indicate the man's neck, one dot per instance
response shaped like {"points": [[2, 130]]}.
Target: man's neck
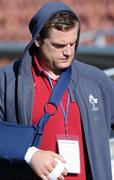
{"points": [[51, 73]]}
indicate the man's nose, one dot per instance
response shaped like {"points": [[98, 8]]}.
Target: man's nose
{"points": [[67, 50]]}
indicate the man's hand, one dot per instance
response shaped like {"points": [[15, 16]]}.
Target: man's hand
{"points": [[44, 162]]}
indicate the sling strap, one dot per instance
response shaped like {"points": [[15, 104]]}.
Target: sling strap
{"points": [[54, 100]]}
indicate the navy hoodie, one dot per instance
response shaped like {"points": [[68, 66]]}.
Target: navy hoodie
{"points": [[91, 88]]}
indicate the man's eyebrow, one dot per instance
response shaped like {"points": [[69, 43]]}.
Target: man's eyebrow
{"points": [[62, 44]]}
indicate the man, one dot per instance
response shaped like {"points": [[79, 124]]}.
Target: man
{"points": [[79, 131]]}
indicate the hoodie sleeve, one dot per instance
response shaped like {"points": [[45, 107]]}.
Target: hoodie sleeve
{"points": [[2, 110], [112, 105]]}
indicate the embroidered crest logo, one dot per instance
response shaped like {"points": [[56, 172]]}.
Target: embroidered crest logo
{"points": [[94, 102]]}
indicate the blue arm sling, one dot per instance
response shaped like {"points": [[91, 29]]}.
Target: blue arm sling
{"points": [[15, 139]]}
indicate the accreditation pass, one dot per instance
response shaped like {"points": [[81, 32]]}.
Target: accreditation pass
{"points": [[69, 149]]}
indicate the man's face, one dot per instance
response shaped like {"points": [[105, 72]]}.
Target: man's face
{"points": [[57, 51]]}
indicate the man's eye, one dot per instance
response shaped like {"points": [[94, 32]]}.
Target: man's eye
{"points": [[72, 44], [58, 46]]}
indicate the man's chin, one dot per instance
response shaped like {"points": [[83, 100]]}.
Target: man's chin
{"points": [[63, 67]]}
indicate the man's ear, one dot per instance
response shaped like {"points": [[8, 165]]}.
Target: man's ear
{"points": [[37, 41]]}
